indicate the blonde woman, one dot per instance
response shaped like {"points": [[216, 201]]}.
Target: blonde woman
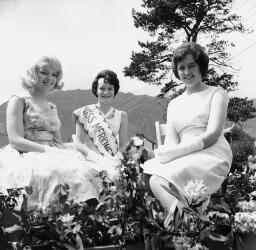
{"points": [[36, 155]]}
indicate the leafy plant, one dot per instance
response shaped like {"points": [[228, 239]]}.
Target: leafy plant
{"points": [[114, 219], [126, 213]]}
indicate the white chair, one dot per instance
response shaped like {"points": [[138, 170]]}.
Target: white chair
{"points": [[160, 132]]}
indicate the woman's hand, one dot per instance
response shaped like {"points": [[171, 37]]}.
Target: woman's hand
{"points": [[68, 145], [166, 153], [53, 149]]}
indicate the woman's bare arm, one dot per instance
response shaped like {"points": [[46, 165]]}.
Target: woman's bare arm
{"points": [[171, 136], [15, 128], [217, 118]]}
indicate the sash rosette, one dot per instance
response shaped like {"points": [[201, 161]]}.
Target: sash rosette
{"points": [[98, 130]]}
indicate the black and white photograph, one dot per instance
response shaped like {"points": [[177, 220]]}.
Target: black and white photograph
{"points": [[127, 124]]}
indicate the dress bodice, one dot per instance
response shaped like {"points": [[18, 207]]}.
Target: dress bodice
{"points": [[189, 114], [40, 123], [113, 118]]}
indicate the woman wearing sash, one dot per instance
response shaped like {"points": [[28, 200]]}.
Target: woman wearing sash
{"points": [[101, 130], [36, 155]]}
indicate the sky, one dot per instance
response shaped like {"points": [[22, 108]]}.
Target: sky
{"points": [[90, 35]]}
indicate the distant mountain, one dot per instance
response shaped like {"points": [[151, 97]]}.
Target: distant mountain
{"points": [[142, 110], [249, 126]]}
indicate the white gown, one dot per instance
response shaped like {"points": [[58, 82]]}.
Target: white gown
{"points": [[51, 174], [189, 116]]}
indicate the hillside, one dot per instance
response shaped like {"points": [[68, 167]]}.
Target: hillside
{"points": [[250, 127], [142, 110]]}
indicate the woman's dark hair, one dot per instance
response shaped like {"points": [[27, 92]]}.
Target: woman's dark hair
{"points": [[198, 53], [109, 77]]}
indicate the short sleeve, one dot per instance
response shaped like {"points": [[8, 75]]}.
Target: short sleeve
{"points": [[76, 114]]}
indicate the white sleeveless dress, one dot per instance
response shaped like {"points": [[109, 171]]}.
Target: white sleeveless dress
{"points": [[189, 116], [106, 160]]}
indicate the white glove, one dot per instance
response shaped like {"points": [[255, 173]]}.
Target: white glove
{"points": [[168, 153]]}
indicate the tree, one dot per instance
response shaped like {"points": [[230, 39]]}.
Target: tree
{"points": [[170, 22], [240, 109]]}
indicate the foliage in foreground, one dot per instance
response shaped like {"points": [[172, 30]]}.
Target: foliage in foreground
{"points": [[126, 214]]}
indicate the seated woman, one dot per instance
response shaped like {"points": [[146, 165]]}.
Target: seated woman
{"points": [[195, 147], [101, 130], [36, 155]]}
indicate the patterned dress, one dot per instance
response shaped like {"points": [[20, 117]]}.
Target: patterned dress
{"points": [[48, 173]]}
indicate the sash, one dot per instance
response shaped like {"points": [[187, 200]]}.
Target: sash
{"points": [[98, 130]]}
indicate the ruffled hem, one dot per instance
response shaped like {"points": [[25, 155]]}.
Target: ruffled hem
{"points": [[46, 171]]}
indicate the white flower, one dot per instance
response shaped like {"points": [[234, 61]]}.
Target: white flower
{"points": [[252, 165], [247, 206], [245, 222], [113, 188], [67, 218], [196, 191], [250, 158], [252, 178]]}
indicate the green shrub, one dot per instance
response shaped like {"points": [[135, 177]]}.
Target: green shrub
{"points": [[242, 146], [241, 150]]}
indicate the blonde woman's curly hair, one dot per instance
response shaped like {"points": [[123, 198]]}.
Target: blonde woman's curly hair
{"points": [[30, 80]]}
